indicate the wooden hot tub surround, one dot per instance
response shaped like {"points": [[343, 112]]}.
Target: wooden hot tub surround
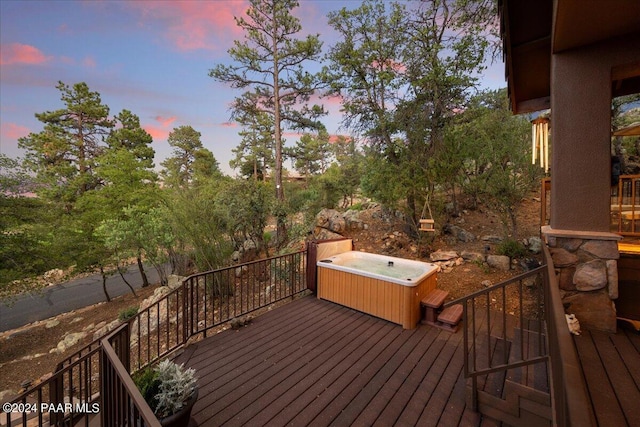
{"points": [[385, 298]]}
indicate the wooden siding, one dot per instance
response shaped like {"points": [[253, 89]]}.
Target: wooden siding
{"points": [[386, 300]]}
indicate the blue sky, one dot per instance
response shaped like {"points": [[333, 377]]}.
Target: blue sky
{"points": [[149, 57]]}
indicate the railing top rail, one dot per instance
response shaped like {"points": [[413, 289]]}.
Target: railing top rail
{"points": [[496, 286], [262, 260], [145, 411], [565, 365]]}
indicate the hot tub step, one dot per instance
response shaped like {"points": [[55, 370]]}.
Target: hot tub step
{"points": [[432, 305], [450, 317], [435, 298]]}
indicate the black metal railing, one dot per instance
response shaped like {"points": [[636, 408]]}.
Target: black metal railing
{"points": [[510, 313], [121, 402], [221, 295], [499, 317], [100, 371], [65, 398]]}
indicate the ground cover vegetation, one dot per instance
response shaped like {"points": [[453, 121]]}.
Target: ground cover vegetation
{"points": [[418, 126]]}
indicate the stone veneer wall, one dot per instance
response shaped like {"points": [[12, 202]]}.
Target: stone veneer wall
{"points": [[587, 272]]}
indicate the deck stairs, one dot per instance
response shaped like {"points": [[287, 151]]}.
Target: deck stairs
{"points": [[512, 393]]}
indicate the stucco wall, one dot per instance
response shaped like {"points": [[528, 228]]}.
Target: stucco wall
{"points": [[581, 127]]}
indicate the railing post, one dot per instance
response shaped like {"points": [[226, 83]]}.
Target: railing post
{"points": [[56, 396], [312, 255]]}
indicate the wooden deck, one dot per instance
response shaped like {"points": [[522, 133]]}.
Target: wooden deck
{"points": [[611, 367], [315, 363]]}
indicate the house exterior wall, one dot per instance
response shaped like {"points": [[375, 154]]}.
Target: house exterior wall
{"points": [[580, 169], [581, 132]]}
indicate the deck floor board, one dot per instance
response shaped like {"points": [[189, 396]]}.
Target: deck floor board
{"points": [[313, 362], [610, 364]]}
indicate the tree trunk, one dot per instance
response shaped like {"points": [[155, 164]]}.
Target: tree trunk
{"points": [[281, 232], [133, 291], [162, 274], [145, 281], [104, 284]]}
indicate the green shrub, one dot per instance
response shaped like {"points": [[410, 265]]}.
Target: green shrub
{"points": [[127, 313], [166, 387], [511, 248], [149, 385]]}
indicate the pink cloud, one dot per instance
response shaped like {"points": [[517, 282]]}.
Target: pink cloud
{"points": [[156, 133], [160, 131], [192, 25], [89, 62], [335, 138], [334, 99], [13, 131], [229, 125], [292, 134], [165, 121], [18, 53]]}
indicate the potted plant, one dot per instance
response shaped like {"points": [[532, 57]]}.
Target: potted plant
{"points": [[170, 390]]}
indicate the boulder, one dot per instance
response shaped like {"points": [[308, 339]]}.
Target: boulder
{"points": [[52, 323], [441, 255], [103, 327], [534, 244], [563, 258], [501, 262], [603, 249], [460, 233], [594, 310], [565, 279], [472, 256], [331, 219], [53, 276], [69, 341], [590, 276], [353, 221], [570, 244], [491, 239], [324, 234]]}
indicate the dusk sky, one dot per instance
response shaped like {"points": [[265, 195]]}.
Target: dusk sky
{"points": [[149, 57]]}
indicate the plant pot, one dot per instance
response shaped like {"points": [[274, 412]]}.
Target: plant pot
{"points": [[181, 418]]}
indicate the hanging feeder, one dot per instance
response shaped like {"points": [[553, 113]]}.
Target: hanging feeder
{"points": [[427, 224]]}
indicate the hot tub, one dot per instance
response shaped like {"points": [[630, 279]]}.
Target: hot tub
{"points": [[387, 287]]}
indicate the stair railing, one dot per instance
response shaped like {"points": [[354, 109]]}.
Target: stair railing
{"points": [[499, 315]]}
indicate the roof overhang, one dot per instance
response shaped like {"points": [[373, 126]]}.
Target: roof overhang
{"points": [[533, 31]]}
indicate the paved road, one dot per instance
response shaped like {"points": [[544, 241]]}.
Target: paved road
{"points": [[69, 296]]}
